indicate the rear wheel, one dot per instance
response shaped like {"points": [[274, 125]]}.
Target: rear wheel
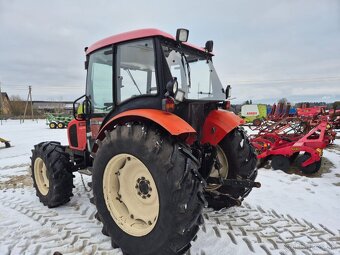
{"points": [[237, 161], [311, 168], [146, 192], [61, 125], [293, 157], [280, 162], [51, 173]]}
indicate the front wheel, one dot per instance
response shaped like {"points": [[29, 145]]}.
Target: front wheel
{"points": [[51, 173], [237, 160], [52, 125], [146, 192]]}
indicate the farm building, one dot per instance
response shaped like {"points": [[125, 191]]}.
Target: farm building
{"points": [[5, 104]]}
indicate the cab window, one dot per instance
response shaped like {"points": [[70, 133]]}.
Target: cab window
{"points": [[135, 70], [99, 80]]}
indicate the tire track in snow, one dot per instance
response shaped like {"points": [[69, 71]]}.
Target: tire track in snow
{"points": [[73, 229], [70, 229], [256, 231]]}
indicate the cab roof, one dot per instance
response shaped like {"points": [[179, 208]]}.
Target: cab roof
{"points": [[135, 34]]}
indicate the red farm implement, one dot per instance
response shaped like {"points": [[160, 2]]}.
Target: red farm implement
{"points": [[282, 142]]}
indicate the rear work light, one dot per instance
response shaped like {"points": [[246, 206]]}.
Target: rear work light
{"points": [[182, 35], [168, 104]]}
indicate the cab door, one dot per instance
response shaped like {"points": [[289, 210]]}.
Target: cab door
{"points": [[99, 90]]}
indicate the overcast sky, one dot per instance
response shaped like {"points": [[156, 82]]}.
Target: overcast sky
{"points": [[265, 49]]}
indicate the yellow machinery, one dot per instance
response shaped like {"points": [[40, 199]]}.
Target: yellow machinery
{"points": [[6, 142]]}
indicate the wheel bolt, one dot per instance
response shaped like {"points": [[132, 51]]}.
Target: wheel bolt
{"points": [[149, 222]]}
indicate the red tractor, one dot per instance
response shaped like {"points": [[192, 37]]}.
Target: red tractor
{"points": [[153, 131]]}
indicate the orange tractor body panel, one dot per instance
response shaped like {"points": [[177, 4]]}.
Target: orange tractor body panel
{"points": [[76, 134], [217, 124], [170, 122]]}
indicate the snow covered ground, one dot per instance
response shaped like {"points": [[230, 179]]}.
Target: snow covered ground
{"points": [[289, 214]]}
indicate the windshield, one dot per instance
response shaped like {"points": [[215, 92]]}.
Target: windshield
{"points": [[195, 74]]}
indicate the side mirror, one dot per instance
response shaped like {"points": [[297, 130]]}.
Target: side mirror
{"points": [[209, 46], [228, 92], [82, 110]]}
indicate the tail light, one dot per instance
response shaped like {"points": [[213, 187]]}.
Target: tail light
{"points": [[224, 105], [227, 105], [168, 104]]}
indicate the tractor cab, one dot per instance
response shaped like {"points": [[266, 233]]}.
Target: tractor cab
{"points": [[149, 69]]}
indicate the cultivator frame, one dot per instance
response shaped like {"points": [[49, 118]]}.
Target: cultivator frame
{"points": [[283, 141]]}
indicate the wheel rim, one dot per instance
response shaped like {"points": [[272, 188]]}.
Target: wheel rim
{"points": [[52, 125], [131, 195], [40, 174], [223, 171]]}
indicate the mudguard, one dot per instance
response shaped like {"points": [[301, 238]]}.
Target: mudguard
{"points": [[217, 124], [170, 122]]}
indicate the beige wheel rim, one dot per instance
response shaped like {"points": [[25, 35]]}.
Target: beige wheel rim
{"points": [[131, 195], [224, 169], [40, 175]]}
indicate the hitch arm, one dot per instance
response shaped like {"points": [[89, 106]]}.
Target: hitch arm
{"points": [[234, 183]]}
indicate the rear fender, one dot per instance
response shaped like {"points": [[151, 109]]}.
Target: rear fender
{"points": [[218, 124], [170, 122]]}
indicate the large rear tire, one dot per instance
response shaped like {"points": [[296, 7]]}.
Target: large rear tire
{"points": [[146, 191], [51, 173], [238, 161]]}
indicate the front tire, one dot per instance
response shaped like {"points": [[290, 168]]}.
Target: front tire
{"points": [[145, 191], [238, 161], [52, 125], [51, 173]]}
